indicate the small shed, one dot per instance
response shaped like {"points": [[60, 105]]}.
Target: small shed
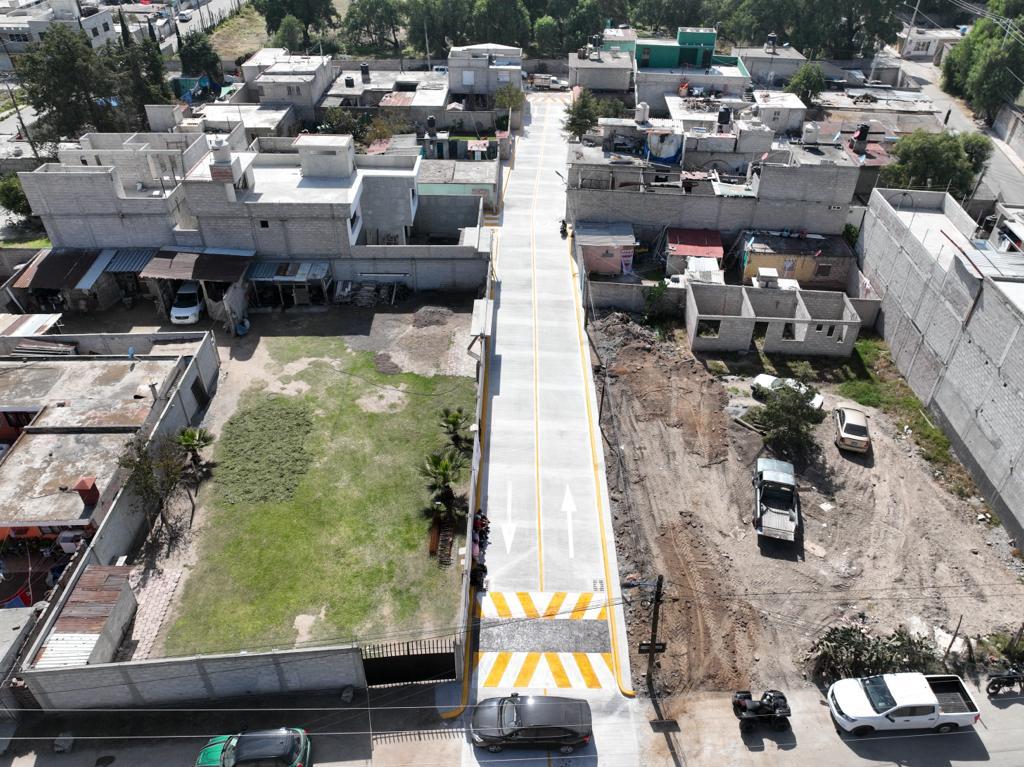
{"points": [[65, 279], [605, 248], [92, 622], [683, 244]]}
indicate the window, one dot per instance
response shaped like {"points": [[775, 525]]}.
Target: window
{"points": [[819, 328], [288, 89], [503, 77], [789, 331], [353, 222], [831, 331], [708, 328], [18, 37], [85, 160], [264, 224], [776, 114], [468, 77], [106, 27], [95, 32], [44, 530], [298, 91], [822, 270], [922, 45]]}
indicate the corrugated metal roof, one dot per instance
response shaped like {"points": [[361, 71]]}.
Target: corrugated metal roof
{"points": [[706, 243], [66, 649], [587, 233], [57, 268], [220, 265], [93, 273], [130, 260], [287, 271]]}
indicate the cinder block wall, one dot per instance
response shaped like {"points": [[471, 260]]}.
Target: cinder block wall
{"points": [[960, 345]]}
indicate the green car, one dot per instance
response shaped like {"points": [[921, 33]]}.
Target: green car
{"points": [[284, 747]]}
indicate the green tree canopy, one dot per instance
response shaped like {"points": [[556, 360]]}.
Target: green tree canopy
{"points": [[198, 57], [807, 83], [71, 86], [788, 419], [933, 160], [289, 34], [581, 114], [978, 148], [12, 196], [585, 20], [443, 21], [376, 22], [501, 21], [142, 79], [312, 14], [547, 37], [345, 122], [982, 66]]}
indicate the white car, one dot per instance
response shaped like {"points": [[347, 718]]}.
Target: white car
{"points": [[188, 304], [852, 430], [184, 16], [764, 384]]}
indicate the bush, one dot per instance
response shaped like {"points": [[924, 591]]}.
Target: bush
{"points": [[853, 651], [12, 196], [788, 419]]}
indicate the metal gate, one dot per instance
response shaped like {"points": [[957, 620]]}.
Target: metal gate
{"points": [[425, 660]]}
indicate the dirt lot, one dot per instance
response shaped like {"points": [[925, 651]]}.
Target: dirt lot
{"points": [[882, 535]]}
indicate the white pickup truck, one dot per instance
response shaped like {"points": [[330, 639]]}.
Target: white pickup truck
{"points": [[907, 701]]}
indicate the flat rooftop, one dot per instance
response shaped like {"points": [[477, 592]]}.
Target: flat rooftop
{"points": [[715, 70], [787, 153], [752, 53], [251, 115], [606, 60], [811, 245], [941, 238], [287, 184], [779, 99], [457, 172], [876, 100]]}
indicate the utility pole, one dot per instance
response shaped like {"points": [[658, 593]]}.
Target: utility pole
{"points": [[910, 30], [426, 42], [14, 101], [652, 649]]}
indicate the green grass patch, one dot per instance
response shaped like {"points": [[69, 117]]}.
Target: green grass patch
{"points": [[27, 242], [245, 32], [316, 507]]}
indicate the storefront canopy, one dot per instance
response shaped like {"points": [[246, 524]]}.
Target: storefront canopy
{"points": [[208, 265]]}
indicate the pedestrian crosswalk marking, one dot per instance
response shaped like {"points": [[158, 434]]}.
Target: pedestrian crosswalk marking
{"points": [[561, 670], [566, 605]]}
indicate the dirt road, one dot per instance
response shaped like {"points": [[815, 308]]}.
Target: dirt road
{"points": [[881, 535]]}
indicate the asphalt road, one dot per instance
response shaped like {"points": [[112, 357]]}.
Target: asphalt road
{"points": [[1004, 176]]}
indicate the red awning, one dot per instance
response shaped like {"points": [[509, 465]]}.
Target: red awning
{"points": [[705, 243]]}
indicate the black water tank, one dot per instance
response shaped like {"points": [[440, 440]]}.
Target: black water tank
{"points": [[431, 123], [350, 82], [861, 134], [724, 116], [364, 70]]}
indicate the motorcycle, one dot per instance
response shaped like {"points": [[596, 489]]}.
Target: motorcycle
{"points": [[999, 680]]}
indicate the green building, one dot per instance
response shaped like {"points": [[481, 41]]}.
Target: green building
{"points": [[692, 47]]}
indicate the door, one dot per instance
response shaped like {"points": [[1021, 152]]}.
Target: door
{"points": [[909, 718]]}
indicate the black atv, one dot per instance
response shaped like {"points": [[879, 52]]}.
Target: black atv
{"points": [[771, 709]]}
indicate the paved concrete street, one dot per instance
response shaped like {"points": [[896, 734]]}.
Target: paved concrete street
{"points": [[1004, 176], [551, 618]]}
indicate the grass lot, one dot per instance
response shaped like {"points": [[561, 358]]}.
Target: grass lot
{"points": [[316, 509], [27, 241], [245, 32], [869, 377]]}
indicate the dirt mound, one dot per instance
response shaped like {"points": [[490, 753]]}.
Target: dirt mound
{"points": [[384, 364], [428, 316]]}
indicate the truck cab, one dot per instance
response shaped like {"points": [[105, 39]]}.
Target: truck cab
{"points": [[907, 701], [776, 502]]}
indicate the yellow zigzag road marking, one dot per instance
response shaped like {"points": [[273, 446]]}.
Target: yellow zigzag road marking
{"points": [[568, 605], [562, 670]]}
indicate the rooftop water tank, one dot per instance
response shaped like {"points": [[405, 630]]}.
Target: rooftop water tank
{"points": [[642, 112]]}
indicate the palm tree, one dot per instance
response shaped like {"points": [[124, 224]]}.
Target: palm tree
{"points": [[192, 440], [454, 423], [442, 469]]}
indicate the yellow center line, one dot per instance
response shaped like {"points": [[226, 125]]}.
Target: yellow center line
{"points": [[595, 465], [536, 351]]}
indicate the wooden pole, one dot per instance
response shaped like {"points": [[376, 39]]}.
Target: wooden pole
{"points": [[957, 631]]}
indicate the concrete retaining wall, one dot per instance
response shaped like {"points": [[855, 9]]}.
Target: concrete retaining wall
{"points": [[631, 297], [206, 677]]}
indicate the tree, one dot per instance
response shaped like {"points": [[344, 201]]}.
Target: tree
{"points": [[612, 107], [376, 22], [982, 66], [581, 114], [442, 470], [933, 160], [546, 36], [12, 196], [155, 471], [345, 122], [454, 424], [312, 14], [442, 22], [510, 97], [68, 85], [143, 79], [289, 34], [807, 83], [501, 21], [384, 126], [977, 147], [788, 419], [126, 34], [585, 20], [198, 57], [668, 15], [192, 440]]}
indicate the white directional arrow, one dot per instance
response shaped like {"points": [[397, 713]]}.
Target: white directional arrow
{"points": [[569, 507], [508, 529]]}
